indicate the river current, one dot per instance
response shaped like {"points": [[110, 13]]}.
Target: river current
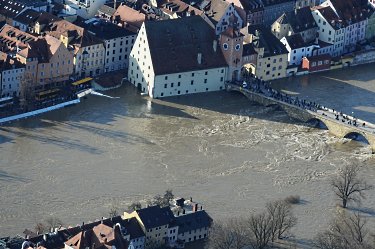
{"points": [[227, 153]]}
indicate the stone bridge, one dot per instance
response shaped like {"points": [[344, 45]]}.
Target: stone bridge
{"points": [[337, 128]]}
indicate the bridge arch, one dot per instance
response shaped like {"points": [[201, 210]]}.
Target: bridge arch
{"points": [[357, 136], [317, 123]]}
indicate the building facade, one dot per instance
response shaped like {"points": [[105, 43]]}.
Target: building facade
{"points": [[272, 60], [159, 67], [11, 73], [118, 42], [299, 21], [297, 48]]}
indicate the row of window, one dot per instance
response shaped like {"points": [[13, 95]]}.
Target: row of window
{"points": [[192, 74], [121, 43]]}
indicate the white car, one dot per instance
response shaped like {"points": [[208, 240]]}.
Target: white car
{"points": [[244, 84]]}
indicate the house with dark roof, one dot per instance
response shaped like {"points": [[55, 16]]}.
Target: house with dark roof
{"points": [[272, 59], [155, 222], [297, 48], [193, 226], [299, 21], [26, 19], [178, 56], [118, 42]]}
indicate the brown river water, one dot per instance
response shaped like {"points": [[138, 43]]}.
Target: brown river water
{"points": [[229, 154]]}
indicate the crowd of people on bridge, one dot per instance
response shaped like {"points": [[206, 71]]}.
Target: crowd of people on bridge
{"points": [[261, 87]]}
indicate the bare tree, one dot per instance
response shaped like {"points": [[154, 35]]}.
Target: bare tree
{"points": [[135, 206], [168, 195], [40, 228], [231, 234], [348, 186], [48, 225], [347, 231], [53, 222], [113, 211], [260, 226], [282, 219], [161, 201]]}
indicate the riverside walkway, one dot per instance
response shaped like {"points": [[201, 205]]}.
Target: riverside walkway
{"points": [[339, 124]]}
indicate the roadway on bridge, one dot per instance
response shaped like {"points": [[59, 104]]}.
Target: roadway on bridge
{"points": [[262, 88]]}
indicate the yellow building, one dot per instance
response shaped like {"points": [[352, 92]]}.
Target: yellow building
{"points": [[272, 61], [154, 222]]}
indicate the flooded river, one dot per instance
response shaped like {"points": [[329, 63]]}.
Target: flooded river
{"points": [[231, 155]]}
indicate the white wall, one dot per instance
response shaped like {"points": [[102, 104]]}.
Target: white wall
{"points": [[189, 82], [295, 55], [117, 53], [193, 235], [141, 70]]}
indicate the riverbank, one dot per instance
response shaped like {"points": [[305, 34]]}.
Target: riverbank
{"points": [[46, 109]]}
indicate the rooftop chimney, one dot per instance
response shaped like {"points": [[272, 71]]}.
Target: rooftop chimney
{"points": [[199, 58], [195, 207]]}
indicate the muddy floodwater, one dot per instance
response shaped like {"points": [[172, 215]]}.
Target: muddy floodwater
{"points": [[229, 154]]}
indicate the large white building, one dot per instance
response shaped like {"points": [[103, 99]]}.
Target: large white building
{"points": [[342, 23], [178, 56]]}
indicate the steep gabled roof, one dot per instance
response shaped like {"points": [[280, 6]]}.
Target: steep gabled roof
{"points": [[193, 221], [174, 45], [265, 39], [155, 216]]}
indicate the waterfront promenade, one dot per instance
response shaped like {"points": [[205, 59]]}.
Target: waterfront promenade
{"points": [[338, 123]]}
